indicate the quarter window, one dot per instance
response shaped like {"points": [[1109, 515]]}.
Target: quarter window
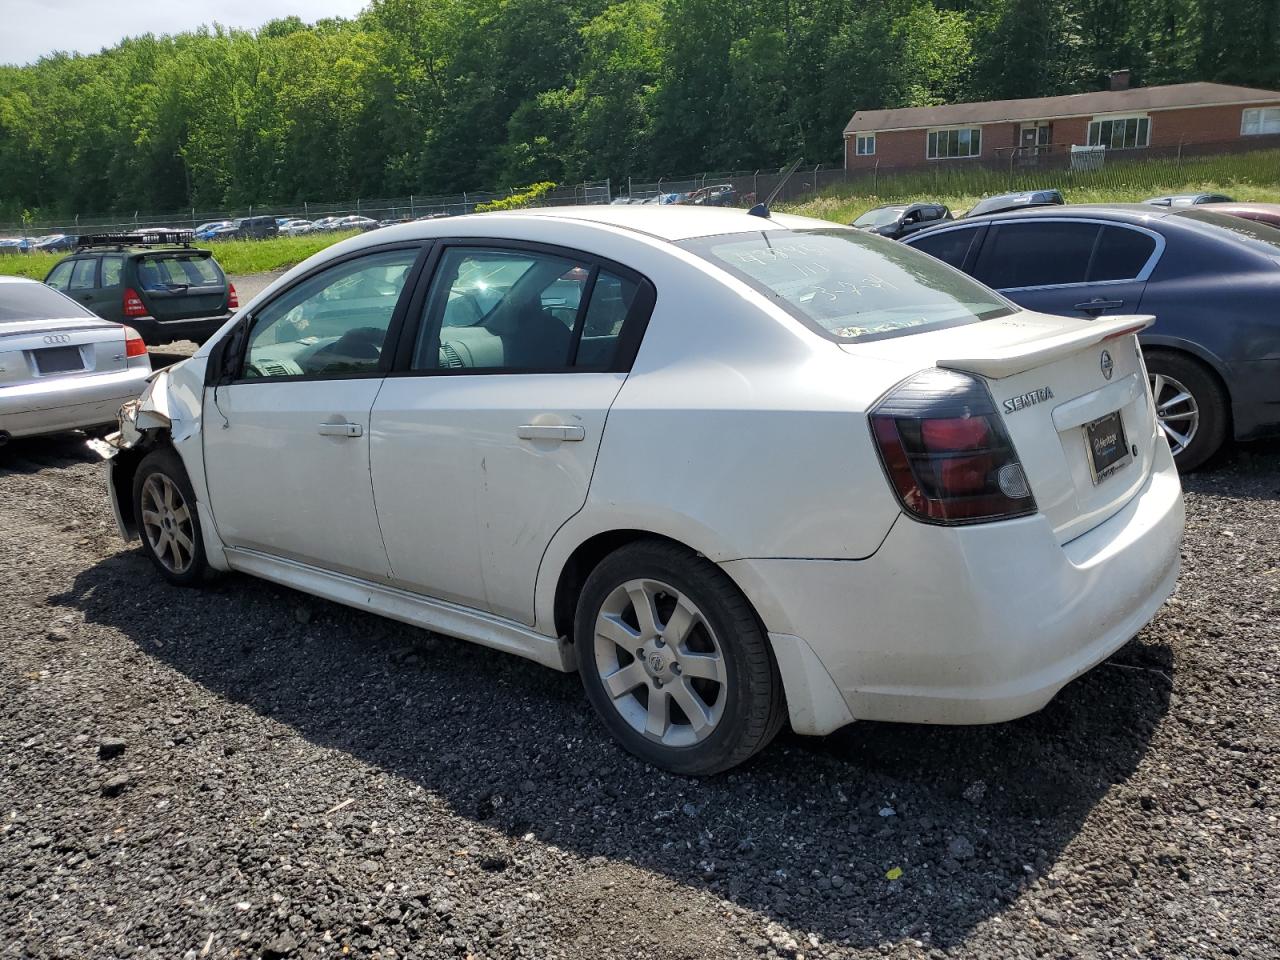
{"points": [[333, 324], [1120, 133], [949, 144], [1260, 120], [84, 274], [949, 246], [1037, 254], [865, 144], [112, 268], [498, 309], [1121, 254]]}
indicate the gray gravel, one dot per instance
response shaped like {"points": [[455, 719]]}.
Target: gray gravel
{"points": [[244, 771]]}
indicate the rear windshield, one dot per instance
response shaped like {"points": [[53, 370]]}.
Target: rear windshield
{"points": [[849, 285], [169, 271], [35, 301], [879, 217], [1259, 236]]}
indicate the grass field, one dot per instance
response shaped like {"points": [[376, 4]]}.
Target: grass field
{"points": [[236, 256], [1252, 176]]}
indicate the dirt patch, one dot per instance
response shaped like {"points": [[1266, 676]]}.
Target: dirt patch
{"points": [[247, 771]]}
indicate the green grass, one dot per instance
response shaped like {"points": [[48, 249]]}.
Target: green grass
{"points": [[1254, 176], [236, 256]]}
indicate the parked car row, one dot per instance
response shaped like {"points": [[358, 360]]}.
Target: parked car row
{"points": [[1205, 267]]}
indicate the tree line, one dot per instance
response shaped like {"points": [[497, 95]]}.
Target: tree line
{"points": [[438, 96]]}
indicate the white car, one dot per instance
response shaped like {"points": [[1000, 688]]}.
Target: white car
{"points": [[733, 469], [295, 228], [61, 366]]}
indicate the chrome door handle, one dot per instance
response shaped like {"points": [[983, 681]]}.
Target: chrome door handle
{"points": [[1090, 305], [341, 430], [549, 431]]}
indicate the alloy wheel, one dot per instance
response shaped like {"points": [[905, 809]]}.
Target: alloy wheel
{"points": [[660, 663], [167, 523], [1176, 411]]}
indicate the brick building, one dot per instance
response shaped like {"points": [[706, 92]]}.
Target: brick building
{"points": [[1120, 118]]}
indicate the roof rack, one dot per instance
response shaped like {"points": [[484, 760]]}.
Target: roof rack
{"points": [[142, 238]]}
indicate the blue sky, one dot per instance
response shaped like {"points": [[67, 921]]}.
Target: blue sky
{"points": [[33, 28]]}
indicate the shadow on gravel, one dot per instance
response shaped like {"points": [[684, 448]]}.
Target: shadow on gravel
{"points": [[31, 455], [1242, 471], [805, 833]]}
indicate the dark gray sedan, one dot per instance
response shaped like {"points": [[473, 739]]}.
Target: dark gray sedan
{"points": [[1212, 282]]}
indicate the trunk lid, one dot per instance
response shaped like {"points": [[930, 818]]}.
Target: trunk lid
{"points": [[35, 350], [1062, 386], [181, 284]]}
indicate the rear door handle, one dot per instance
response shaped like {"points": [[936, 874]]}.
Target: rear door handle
{"points": [[341, 430], [1089, 306], [549, 431]]}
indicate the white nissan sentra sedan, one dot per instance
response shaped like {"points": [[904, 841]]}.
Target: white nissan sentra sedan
{"points": [[61, 366], [732, 469]]}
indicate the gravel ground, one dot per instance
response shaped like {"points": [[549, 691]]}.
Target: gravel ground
{"points": [[244, 771]]}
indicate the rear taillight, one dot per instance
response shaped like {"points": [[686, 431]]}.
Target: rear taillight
{"points": [[133, 343], [133, 305], [233, 301], [947, 454]]}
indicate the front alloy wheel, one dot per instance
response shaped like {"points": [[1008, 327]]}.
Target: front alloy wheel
{"points": [[164, 506], [674, 660]]}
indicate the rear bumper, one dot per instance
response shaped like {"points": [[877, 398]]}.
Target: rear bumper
{"points": [[68, 403], [974, 624], [158, 332]]}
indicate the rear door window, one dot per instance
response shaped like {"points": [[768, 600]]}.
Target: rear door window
{"points": [[60, 276], [84, 275], [1036, 254]]}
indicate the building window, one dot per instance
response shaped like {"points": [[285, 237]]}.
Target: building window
{"points": [[947, 144], [864, 144], [1260, 120], [1120, 133]]}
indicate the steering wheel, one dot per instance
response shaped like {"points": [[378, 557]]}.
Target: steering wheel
{"points": [[362, 343]]}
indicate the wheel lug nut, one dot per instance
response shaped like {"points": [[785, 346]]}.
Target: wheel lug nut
{"points": [[675, 668], [658, 641], [640, 653], [657, 683]]}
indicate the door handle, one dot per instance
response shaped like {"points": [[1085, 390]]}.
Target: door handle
{"points": [[340, 430], [550, 431], [1091, 306]]}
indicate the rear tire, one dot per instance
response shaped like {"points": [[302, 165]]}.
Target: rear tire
{"points": [[164, 506], [1191, 407], [690, 685]]}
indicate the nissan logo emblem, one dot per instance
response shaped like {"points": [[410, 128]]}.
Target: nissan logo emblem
{"points": [[1107, 366], [58, 338]]}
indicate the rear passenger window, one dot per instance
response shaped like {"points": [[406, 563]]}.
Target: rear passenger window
{"points": [[84, 274], [166, 272], [60, 276], [112, 268], [949, 246], [1121, 254], [1036, 254], [514, 310]]}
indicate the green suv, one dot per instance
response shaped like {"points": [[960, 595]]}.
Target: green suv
{"points": [[156, 283]]}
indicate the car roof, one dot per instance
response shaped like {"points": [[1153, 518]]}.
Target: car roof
{"points": [[673, 222], [1128, 212]]}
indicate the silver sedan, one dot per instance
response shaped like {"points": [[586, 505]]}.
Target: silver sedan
{"points": [[62, 367]]}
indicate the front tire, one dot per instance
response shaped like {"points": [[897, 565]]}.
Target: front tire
{"points": [[674, 660], [1191, 407], [164, 506]]}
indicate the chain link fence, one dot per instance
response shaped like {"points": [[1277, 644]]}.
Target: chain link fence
{"points": [[384, 208]]}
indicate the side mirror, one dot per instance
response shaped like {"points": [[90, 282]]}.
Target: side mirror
{"points": [[224, 357]]}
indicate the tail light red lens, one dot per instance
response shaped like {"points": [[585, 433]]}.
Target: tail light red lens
{"points": [[133, 343], [947, 453], [133, 305], [233, 299]]}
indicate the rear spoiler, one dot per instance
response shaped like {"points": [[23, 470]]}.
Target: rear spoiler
{"points": [[1015, 358]]}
